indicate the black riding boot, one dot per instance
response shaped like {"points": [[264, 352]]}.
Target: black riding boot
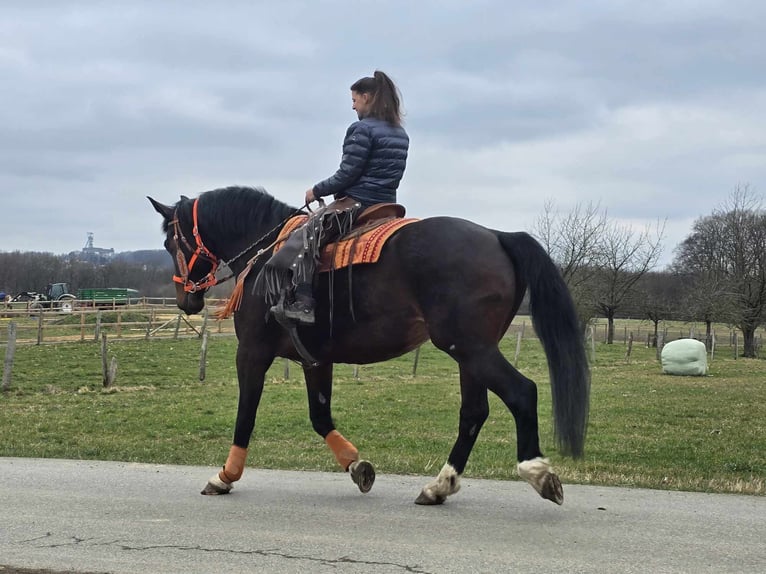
{"points": [[302, 309]]}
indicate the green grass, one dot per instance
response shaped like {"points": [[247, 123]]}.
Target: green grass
{"points": [[646, 429]]}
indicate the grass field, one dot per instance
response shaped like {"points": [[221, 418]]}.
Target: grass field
{"points": [[646, 429]]}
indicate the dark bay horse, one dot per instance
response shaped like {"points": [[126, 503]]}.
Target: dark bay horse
{"points": [[442, 278]]}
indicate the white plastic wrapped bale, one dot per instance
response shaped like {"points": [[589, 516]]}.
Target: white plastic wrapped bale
{"points": [[684, 357]]}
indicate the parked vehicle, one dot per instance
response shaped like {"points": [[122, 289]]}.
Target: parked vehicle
{"points": [[108, 296], [55, 296]]}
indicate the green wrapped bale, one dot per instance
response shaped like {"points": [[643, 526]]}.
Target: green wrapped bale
{"points": [[684, 357]]}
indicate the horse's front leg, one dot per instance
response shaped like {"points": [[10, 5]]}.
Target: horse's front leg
{"points": [[319, 388], [251, 372]]}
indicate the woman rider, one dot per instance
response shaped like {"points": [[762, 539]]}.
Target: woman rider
{"points": [[373, 163]]}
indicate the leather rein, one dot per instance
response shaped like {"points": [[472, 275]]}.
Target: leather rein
{"points": [[202, 252]]}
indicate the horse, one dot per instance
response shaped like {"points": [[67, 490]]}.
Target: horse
{"points": [[446, 279]]}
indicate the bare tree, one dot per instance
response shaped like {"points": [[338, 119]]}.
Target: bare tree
{"points": [[657, 297], [707, 299], [573, 240], [626, 257], [728, 249]]}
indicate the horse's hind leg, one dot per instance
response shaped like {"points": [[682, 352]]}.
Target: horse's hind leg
{"points": [[319, 388], [474, 410], [520, 396], [480, 371]]}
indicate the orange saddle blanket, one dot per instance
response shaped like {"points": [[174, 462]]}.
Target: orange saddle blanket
{"points": [[359, 247]]}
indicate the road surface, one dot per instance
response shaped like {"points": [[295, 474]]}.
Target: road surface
{"points": [[128, 518]]}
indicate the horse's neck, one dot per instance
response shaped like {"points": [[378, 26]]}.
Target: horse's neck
{"points": [[238, 250]]}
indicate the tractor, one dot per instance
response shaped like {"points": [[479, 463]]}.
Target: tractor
{"points": [[56, 296]]}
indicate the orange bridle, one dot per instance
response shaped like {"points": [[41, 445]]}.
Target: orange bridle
{"points": [[200, 252]]}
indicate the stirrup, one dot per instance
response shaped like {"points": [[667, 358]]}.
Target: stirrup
{"points": [[299, 312], [292, 329], [295, 312]]}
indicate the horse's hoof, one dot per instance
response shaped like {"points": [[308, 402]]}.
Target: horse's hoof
{"points": [[212, 489], [551, 489], [426, 500], [216, 486], [363, 475]]}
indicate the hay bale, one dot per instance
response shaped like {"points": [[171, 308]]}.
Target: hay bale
{"points": [[684, 357]]}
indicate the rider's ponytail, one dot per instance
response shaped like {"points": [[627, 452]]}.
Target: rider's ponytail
{"points": [[385, 103]]}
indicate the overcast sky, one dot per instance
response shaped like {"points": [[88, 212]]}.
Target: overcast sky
{"points": [[657, 110]]}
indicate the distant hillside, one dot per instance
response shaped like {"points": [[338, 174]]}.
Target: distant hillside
{"points": [[149, 257]]}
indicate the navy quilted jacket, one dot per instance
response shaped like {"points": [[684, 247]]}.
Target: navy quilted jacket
{"points": [[373, 163]]}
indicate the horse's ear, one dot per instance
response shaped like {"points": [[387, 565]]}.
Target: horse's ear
{"points": [[184, 198], [164, 210]]}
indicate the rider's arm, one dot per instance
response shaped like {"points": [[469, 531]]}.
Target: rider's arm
{"points": [[356, 151]]}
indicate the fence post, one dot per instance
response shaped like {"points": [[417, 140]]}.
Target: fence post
{"points": [[98, 326], [109, 370], [660, 344], [518, 349], [712, 346], [82, 324], [119, 324], [203, 329], [287, 369], [149, 325], [415, 363], [736, 345], [10, 351], [178, 325], [203, 358], [630, 347], [40, 327], [356, 372]]}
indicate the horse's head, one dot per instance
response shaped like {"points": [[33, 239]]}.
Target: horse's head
{"points": [[195, 266]]}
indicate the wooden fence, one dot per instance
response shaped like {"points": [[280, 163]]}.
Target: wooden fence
{"points": [[148, 319], [164, 321], [152, 318]]}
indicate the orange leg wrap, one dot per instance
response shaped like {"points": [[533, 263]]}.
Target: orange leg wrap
{"points": [[235, 464], [345, 452]]}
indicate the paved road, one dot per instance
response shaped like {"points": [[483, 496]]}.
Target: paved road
{"points": [[139, 518]]}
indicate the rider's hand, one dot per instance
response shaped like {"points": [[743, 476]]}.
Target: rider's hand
{"points": [[310, 196]]}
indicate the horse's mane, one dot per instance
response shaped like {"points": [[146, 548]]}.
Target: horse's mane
{"points": [[236, 210]]}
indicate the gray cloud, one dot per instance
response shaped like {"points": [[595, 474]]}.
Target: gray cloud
{"points": [[652, 109]]}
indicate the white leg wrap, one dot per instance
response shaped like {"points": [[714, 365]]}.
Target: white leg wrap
{"points": [[216, 481], [447, 482], [534, 471]]}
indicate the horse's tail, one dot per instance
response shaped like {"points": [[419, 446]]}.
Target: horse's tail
{"points": [[558, 328]]}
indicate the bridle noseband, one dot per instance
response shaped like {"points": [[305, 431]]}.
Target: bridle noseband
{"points": [[200, 252]]}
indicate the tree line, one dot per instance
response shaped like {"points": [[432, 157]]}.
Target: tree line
{"points": [[149, 271], [31, 271], [718, 273]]}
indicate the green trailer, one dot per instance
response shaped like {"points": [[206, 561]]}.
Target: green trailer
{"points": [[108, 296]]}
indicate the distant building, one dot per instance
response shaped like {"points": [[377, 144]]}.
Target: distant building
{"points": [[97, 255]]}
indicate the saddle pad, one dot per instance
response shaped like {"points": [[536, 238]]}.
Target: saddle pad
{"points": [[363, 248]]}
